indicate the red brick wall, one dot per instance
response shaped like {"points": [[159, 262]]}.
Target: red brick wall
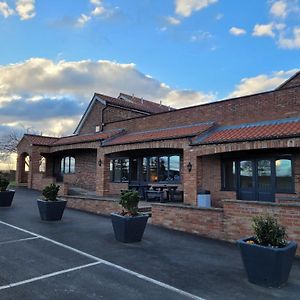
{"points": [[96, 206], [112, 114], [93, 119], [204, 222], [279, 104], [230, 223], [85, 170]]}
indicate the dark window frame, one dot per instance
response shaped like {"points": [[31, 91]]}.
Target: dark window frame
{"points": [[69, 171], [112, 171], [270, 157]]}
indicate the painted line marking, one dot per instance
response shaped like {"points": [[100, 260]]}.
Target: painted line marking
{"points": [[48, 275], [19, 240], [107, 263]]}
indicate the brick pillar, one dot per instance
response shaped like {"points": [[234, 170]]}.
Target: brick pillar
{"points": [[20, 168], [189, 178], [102, 174], [34, 165]]}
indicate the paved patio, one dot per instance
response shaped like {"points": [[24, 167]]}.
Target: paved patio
{"points": [[78, 258]]}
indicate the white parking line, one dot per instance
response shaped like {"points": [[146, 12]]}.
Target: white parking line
{"points": [[99, 260], [3, 287], [19, 240]]}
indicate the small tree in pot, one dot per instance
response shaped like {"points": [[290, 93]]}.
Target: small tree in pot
{"points": [[50, 207], [129, 225], [6, 196], [267, 256]]}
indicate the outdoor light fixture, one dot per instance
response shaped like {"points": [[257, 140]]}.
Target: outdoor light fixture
{"points": [[99, 162], [189, 167]]}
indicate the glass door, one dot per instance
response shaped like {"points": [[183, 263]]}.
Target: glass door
{"points": [[256, 180]]}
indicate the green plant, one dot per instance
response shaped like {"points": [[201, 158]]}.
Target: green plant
{"points": [[3, 183], [129, 201], [50, 192], [268, 232]]}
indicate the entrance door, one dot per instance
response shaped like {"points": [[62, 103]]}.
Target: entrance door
{"points": [[255, 180]]}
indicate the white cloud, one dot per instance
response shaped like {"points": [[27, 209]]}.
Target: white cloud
{"points": [[82, 20], [219, 16], [290, 43], [237, 31], [99, 10], [5, 10], [51, 96], [263, 30], [200, 36], [25, 9], [279, 9], [261, 83], [173, 21], [186, 7]]}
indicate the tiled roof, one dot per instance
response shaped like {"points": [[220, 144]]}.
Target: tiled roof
{"points": [[39, 139], [134, 103], [160, 134], [74, 139], [252, 131]]}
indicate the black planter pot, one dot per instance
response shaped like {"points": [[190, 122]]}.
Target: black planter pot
{"points": [[267, 266], [51, 210], [6, 198], [129, 229]]}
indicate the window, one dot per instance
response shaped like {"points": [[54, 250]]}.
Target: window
{"points": [[163, 168], [284, 176], [119, 170], [229, 175], [42, 167], [67, 165]]}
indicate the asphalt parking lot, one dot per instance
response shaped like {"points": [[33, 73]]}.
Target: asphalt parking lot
{"points": [[79, 258]]}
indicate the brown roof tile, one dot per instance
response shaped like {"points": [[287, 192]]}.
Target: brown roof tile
{"points": [[135, 103], [160, 134], [252, 131], [74, 139], [40, 140]]}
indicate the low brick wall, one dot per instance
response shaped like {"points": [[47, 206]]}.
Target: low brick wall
{"points": [[205, 222], [230, 223], [93, 205]]}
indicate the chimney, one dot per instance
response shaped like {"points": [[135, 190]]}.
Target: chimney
{"points": [[142, 100], [160, 103], [132, 96]]}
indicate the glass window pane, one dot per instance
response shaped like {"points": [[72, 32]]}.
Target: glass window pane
{"points": [[284, 178], [125, 170], [229, 173], [62, 165], [72, 165], [174, 168], [163, 168], [153, 169], [264, 175], [67, 165], [246, 174], [117, 170], [145, 168], [134, 169], [111, 170], [42, 167]]}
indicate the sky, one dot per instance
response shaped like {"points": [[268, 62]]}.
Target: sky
{"points": [[55, 54]]}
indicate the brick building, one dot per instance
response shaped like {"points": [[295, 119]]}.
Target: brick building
{"points": [[246, 148]]}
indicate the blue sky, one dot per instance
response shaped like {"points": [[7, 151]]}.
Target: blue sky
{"points": [[55, 54]]}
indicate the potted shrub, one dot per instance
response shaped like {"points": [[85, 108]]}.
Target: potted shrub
{"points": [[129, 225], [50, 207], [6, 196], [267, 256]]}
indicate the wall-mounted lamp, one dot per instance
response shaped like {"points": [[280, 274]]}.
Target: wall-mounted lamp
{"points": [[99, 162], [189, 167]]}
